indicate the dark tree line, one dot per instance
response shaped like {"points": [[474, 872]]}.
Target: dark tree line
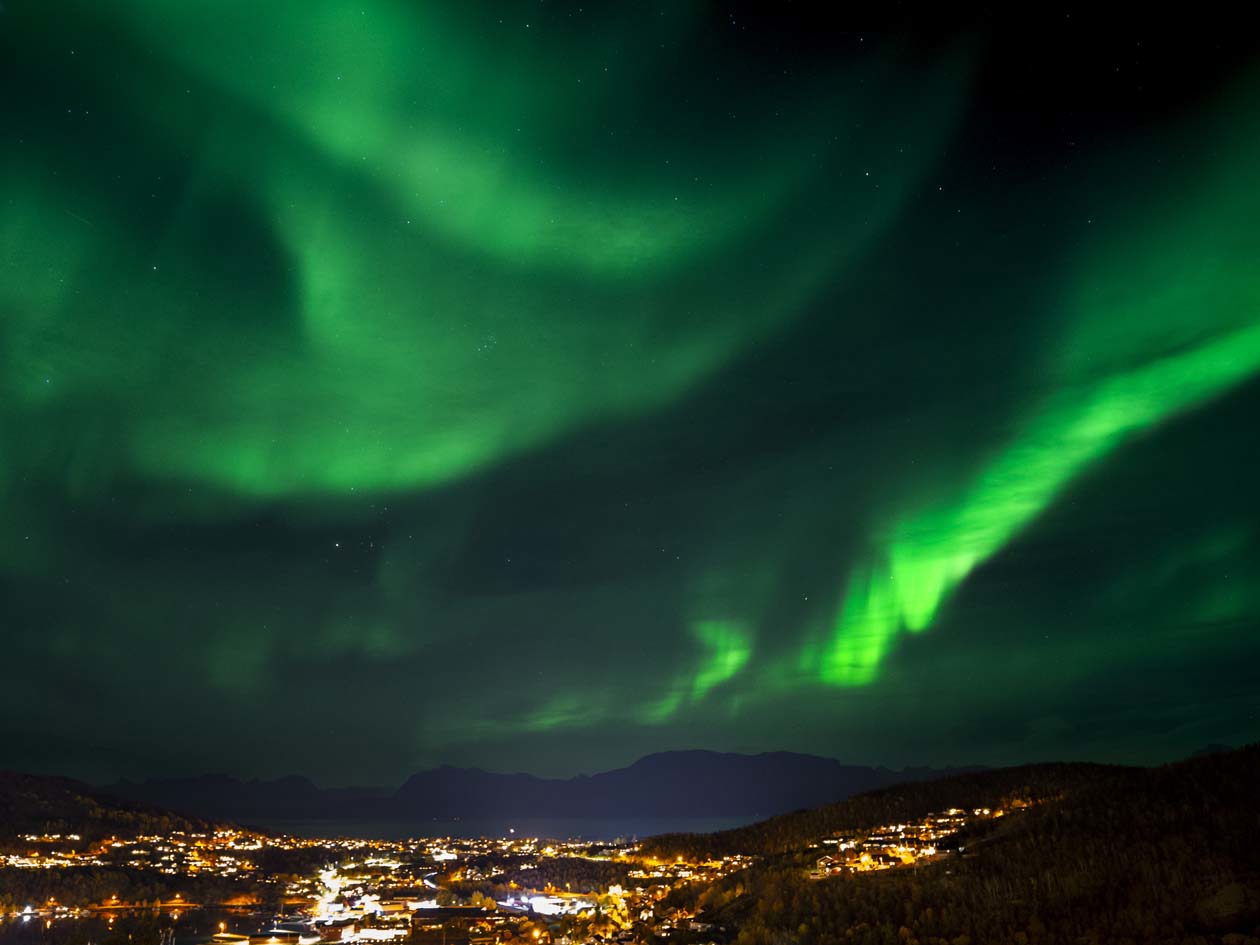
{"points": [[90, 885], [569, 873]]}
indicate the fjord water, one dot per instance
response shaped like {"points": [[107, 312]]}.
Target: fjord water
{"points": [[553, 828]]}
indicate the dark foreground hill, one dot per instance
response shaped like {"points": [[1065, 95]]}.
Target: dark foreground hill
{"points": [[1167, 855], [30, 804], [900, 802], [669, 784]]}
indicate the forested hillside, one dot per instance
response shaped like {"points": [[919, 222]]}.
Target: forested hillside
{"points": [[1001, 787], [1105, 855], [30, 804]]}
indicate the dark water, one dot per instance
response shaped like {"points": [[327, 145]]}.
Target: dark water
{"points": [[138, 927], [552, 828]]}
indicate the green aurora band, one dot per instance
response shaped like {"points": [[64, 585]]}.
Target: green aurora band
{"points": [[1161, 324], [462, 292], [372, 338]]}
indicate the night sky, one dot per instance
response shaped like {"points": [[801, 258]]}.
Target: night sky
{"points": [[536, 386]]}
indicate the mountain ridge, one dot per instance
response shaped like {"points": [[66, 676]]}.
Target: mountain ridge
{"points": [[684, 783]]}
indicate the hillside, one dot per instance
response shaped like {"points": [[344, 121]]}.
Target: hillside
{"points": [[1106, 855], [31, 804], [1031, 783]]}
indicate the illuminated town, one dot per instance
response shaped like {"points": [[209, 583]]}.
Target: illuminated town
{"points": [[893, 845], [483, 891]]}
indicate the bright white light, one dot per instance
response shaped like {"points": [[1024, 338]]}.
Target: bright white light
{"points": [[554, 905]]}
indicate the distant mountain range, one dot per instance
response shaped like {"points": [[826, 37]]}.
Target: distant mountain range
{"points": [[668, 784], [1082, 852]]}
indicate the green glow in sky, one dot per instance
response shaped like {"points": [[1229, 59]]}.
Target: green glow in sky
{"points": [[563, 382], [453, 255], [728, 651], [1159, 323]]}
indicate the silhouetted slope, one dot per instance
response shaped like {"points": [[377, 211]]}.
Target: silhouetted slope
{"points": [[710, 783], [288, 798], [1109, 855], [892, 804], [30, 804]]}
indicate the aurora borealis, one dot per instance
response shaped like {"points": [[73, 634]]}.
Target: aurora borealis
{"points": [[534, 386]]}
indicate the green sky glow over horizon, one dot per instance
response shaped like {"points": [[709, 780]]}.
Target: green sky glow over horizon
{"points": [[566, 384]]}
